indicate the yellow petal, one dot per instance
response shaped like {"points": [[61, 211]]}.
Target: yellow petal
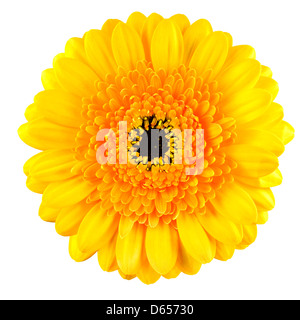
{"points": [[75, 49], [224, 252], [129, 249], [262, 139], [49, 79], [32, 112], [229, 39], [252, 161], [210, 54], [162, 247], [284, 131], [69, 218], [99, 53], [160, 204], [109, 26], [194, 238], [239, 53], [266, 72], [75, 77], [31, 162], [66, 193], [235, 204], [136, 21], [54, 165], [271, 180], [135, 204], [153, 219], [213, 131], [186, 263], [221, 228], [263, 217], [107, 256], [239, 76], [262, 197], [57, 57], [182, 21], [48, 214], [246, 105], [167, 46], [147, 32], [146, 273], [126, 276], [269, 120], [127, 46], [268, 84], [42, 134], [249, 235], [96, 229], [173, 273], [35, 185], [193, 36], [75, 253], [125, 226], [60, 107]]}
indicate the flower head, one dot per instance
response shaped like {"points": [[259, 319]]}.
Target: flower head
{"points": [[148, 217]]}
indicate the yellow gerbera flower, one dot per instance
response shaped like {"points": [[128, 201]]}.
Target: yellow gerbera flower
{"points": [[146, 219]]}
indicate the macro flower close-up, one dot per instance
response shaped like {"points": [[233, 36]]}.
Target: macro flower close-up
{"points": [[148, 217]]}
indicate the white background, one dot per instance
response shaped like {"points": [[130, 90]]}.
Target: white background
{"points": [[34, 260]]}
